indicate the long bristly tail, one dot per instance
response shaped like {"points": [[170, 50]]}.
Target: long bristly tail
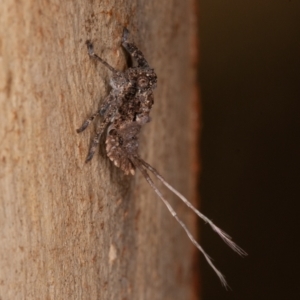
{"points": [[224, 236], [143, 167], [138, 163]]}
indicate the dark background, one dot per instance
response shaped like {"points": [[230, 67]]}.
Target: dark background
{"points": [[250, 93]]}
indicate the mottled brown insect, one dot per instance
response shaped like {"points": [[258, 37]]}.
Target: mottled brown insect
{"points": [[124, 111]]}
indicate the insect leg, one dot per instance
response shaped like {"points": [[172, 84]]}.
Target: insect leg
{"points": [[87, 122], [134, 52], [92, 54], [106, 104], [96, 140], [103, 109]]}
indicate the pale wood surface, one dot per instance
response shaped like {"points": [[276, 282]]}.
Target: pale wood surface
{"points": [[70, 230]]}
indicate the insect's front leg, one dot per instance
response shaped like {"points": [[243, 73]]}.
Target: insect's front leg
{"points": [[92, 54], [134, 52]]}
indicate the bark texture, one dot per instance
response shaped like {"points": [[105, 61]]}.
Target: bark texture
{"points": [[70, 230]]}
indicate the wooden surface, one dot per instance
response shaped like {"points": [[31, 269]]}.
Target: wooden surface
{"points": [[70, 230]]}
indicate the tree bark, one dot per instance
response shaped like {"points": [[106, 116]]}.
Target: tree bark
{"points": [[71, 230]]}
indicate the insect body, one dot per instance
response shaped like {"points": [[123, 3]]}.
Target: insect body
{"points": [[124, 111]]}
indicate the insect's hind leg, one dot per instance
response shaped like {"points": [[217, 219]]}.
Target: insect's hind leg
{"points": [[134, 52]]}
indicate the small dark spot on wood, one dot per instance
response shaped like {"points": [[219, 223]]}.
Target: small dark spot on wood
{"points": [[8, 83]]}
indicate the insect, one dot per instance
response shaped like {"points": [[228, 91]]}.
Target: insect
{"points": [[124, 111]]}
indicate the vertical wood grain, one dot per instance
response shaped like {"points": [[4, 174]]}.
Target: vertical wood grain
{"points": [[70, 230]]}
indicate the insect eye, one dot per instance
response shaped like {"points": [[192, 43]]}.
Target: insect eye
{"points": [[143, 81]]}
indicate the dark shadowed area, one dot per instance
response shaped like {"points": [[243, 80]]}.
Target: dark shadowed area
{"points": [[250, 90]]}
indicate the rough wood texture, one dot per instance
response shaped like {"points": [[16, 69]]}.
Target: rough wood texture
{"points": [[71, 230]]}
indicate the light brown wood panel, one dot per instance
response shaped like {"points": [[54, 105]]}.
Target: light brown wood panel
{"points": [[70, 230]]}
